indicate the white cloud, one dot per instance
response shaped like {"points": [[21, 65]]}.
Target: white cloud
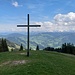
{"points": [[67, 19], [61, 22], [16, 4]]}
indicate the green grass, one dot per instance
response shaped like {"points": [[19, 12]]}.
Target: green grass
{"points": [[39, 63]]}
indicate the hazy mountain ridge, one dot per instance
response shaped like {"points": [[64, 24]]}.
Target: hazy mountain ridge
{"points": [[52, 39]]}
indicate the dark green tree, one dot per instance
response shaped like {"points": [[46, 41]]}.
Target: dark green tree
{"points": [[12, 49], [21, 48], [68, 48], [30, 48], [0, 48], [5, 46], [37, 48], [49, 49], [64, 48], [2, 45]]}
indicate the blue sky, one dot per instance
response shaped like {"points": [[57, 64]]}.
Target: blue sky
{"points": [[53, 15]]}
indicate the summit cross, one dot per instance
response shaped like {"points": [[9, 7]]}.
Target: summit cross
{"points": [[28, 26]]}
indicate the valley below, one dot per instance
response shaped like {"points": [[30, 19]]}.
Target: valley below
{"points": [[45, 39]]}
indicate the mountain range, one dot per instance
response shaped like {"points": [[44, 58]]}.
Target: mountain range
{"points": [[45, 39]]}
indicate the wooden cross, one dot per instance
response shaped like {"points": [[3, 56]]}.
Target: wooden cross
{"points": [[28, 33]]}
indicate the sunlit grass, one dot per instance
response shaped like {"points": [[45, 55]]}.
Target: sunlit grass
{"points": [[39, 63]]}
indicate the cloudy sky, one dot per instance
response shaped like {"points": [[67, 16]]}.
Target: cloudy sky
{"points": [[53, 15]]}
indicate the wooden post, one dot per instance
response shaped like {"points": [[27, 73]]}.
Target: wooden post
{"points": [[28, 38]]}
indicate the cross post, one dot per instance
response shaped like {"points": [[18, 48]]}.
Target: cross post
{"points": [[28, 26]]}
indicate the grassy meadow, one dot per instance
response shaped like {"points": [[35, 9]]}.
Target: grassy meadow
{"points": [[39, 63]]}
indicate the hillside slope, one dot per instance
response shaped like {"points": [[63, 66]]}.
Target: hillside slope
{"points": [[39, 63], [11, 45]]}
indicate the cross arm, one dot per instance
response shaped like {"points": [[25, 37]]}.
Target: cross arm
{"points": [[29, 25]]}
